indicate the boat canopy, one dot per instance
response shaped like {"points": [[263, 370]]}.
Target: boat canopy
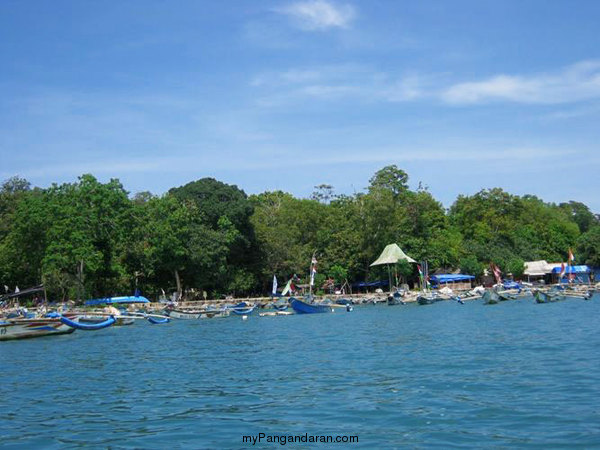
{"points": [[573, 269], [391, 255], [117, 300]]}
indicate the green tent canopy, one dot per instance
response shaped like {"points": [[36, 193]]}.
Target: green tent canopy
{"points": [[391, 255]]}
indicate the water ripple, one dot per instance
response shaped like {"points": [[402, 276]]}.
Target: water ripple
{"points": [[514, 374]]}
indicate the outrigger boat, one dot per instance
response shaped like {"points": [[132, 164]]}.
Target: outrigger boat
{"points": [[198, 314], [548, 297], [51, 324], [121, 317], [21, 328], [242, 309]]}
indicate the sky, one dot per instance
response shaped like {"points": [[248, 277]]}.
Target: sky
{"points": [[287, 95]]}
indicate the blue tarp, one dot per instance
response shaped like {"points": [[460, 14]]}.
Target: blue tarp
{"points": [[364, 284], [573, 269], [115, 300], [508, 284], [451, 278]]}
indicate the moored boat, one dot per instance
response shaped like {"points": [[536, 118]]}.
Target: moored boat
{"points": [[198, 314], [242, 309], [302, 307], [428, 298], [548, 297], [490, 297], [21, 328]]}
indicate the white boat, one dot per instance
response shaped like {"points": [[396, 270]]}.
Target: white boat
{"points": [[198, 314]]}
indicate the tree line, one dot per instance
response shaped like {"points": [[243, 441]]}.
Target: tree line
{"points": [[87, 238]]}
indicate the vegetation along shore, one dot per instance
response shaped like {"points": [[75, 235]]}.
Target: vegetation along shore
{"points": [[208, 239]]}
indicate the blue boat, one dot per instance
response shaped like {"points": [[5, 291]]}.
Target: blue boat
{"points": [[302, 307]]}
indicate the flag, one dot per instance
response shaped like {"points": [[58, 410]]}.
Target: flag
{"points": [[17, 290], [274, 285], [563, 269], [5, 289], [313, 270], [497, 272], [421, 275], [571, 257]]}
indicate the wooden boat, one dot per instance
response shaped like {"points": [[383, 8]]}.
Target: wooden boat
{"points": [[20, 328], [428, 298], [242, 309], [302, 307], [548, 297], [281, 306], [198, 314], [155, 321], [51, 324], [395, 299], [343, 302], [93, 319], [490, 297]]}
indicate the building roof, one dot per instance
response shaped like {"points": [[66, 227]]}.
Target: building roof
{"points": [[537, 268]]}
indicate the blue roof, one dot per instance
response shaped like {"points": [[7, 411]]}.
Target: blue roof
{"points": [[451, 277], [113, 300], [573, 269]]}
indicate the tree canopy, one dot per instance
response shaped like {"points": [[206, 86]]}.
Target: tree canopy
{"points": [[89, 238]]}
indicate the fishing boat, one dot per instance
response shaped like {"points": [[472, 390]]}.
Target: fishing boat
{"points": [[428, 298], [307, 307], [22, 328], [242, 309], [50, 324], [343, 302], [281, 305], [198, 314], [395, 299], [548, 297], [98, 317], [490, 297]]}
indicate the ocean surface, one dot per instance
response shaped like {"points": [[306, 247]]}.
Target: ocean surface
{"points": [[516, 374]]}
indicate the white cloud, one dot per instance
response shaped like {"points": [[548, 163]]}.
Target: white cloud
{"points": [[574, 83], [319, 14]]}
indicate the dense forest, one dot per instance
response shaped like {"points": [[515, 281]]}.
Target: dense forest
{"points": [[88, 239]]}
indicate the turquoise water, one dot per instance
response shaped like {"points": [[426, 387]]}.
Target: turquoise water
{"points": [[516, 374]]}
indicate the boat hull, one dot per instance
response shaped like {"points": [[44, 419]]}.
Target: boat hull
{"points": [[31, 328], [545, 297], [490, 297], [119, 321], [301, 307], [190, 315]]}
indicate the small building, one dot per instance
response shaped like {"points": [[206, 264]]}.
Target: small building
{"points": [[537, 270]]}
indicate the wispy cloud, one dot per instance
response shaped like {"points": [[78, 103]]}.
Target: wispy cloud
{"points": [[118, 166], [319, 14], [574, 83]]}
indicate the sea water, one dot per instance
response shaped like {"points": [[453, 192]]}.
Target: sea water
{"points": [[515, 374]]}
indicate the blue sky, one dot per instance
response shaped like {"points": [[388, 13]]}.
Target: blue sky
{"points": [[463, 95]]}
